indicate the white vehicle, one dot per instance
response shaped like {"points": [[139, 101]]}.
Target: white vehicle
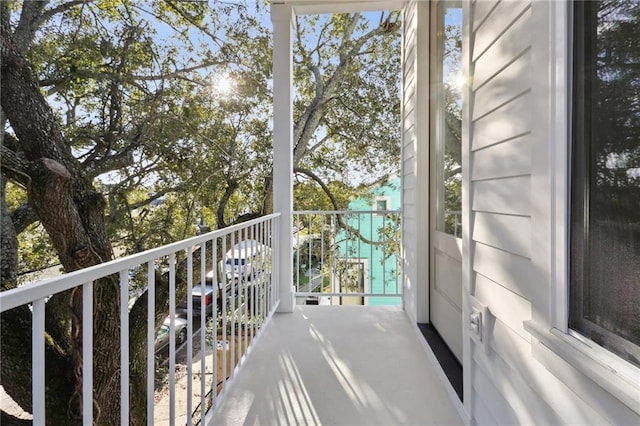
{"points": [[245, 260]]}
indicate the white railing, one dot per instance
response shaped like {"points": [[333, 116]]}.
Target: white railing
{"points": [[248, 301], [347, 257]]}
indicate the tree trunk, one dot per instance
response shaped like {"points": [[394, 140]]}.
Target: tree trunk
{"points": [[72, 212]]}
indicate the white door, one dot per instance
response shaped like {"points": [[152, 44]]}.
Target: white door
{"points": [[445, 250]]}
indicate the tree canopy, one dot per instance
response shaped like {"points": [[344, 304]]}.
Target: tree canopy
{"points": [[119, 130]]}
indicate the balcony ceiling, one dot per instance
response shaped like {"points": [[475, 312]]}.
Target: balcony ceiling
{"points": [[338, 365]]}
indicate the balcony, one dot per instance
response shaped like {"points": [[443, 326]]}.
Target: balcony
{"points": [[241, 361], [338, 365]]}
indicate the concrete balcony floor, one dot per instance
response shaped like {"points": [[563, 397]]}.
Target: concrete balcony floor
{"points": [[338, 365]]}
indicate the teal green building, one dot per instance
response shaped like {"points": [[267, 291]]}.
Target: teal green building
{"points": [[368, 248]]}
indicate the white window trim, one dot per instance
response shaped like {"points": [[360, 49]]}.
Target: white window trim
{"points": [[365, 271], [615, 375], [377, 198]]}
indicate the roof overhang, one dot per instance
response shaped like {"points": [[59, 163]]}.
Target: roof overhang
{"points": [[311, 7]]}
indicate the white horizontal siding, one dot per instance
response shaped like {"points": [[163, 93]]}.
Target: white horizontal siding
{"points": [[490, 396], [513, 272], [513, 310], [509, 149], [498, 21], [588, 403], [510, 158], [558, 394], [481, 413], [514, 42], [509, 196], [510, 83], [522, 405], [497, 230], [511, 120], [503, 274], [481, 10], [409, 159]]}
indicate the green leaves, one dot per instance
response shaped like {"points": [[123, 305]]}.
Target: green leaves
{"points": [[347, 92]]}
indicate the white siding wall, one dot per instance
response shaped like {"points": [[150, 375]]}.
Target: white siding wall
{"points": [[510, 242], [409, 158], [415, 159]]}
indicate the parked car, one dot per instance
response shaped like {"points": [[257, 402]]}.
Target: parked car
{"points": [[197, 293], [245, 260], [162, 335]]}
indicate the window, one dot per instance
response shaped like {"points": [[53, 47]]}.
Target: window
{"points": [[381, 203], [448, 118], [605, 178]]}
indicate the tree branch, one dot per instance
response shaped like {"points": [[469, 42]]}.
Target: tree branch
{"points": [[22, 217], [341, 223], [155, 196], [59, 9], [100, 165], [15, 166], [28, 24], [8, 419], [90, 74], [232, 185], [190, 20]]}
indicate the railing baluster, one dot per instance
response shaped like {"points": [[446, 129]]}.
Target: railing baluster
{"points": [[255, 283], [242, 282], [268, 264], [322, 252], [189, 334], [151, 335], [172, 338], [298, 254], [371, 250], [242, 308], [358, 260], [233, 310], [384, 244], [275, 286], [124, 347], [224, 312], [214, 337], [87, 353], [259, 290], [248, 290], [272, 264], [203, 321], [309, 248], [37, 362], [399, 264], [263, 266]]}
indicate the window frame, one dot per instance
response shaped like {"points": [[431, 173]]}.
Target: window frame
{"points": [[584, 56], [386, 199], [550, 327]]}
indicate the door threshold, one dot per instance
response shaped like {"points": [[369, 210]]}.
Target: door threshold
{"points": [[449, 363]]}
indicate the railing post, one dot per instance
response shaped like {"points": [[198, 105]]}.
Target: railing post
{"points": [[37, 362], [87, 353], [151, 334], [124, 347], [283, 22]]}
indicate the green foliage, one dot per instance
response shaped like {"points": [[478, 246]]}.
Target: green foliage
{"points": [[348, 67], [133, 83], [134, 86]]}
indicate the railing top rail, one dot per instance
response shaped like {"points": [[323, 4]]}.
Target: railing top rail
{"points": [[338, 294], [10, 299], [331, 212]]}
